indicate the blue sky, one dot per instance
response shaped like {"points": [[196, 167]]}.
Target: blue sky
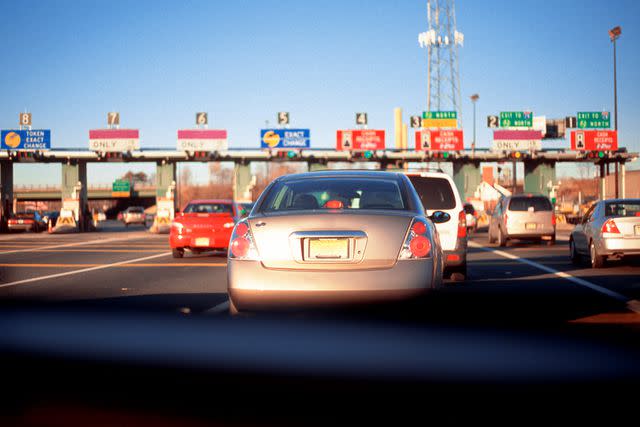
{"points": [[157, 63]]}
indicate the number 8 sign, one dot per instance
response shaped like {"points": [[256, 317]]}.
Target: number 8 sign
{"points": [[25, 119]]}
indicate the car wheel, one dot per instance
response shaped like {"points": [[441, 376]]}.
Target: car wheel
{"points": [[597, 261], [459, 274], [177, 252], [573, 254], [502, 239], [491, 238]]}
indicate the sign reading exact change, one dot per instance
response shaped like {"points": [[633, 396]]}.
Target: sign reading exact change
{"points": [[285, 138], [36, 139]]}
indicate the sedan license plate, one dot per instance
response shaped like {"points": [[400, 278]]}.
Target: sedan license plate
{"points": [[531, 226], [329, 248], [20, 221], [202, 241]]}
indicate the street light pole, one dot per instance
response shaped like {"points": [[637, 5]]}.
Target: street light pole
{"points": [[614, 33], [474, 98]]}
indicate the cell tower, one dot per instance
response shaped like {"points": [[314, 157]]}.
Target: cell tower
{"points": [[442, 40]]}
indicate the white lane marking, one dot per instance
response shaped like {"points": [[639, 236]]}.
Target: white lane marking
{"points": [[84, 270], [220, 308], [90, 242], [632, 305]]}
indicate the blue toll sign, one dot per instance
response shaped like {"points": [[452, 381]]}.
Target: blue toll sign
{"points": [[36, 139], [285, 138]]}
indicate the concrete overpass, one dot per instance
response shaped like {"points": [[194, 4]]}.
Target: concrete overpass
{"points": [[539, 166]]}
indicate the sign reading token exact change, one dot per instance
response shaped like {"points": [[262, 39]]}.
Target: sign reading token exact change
{"points": [[36, 139], [594, 140], [202, 140], [360, 139], [440, 140], [114, 140], [285, 138]]}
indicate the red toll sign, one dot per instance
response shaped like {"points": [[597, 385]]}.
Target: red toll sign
{"points": [[360, 139], [594, 140], [440, 140]]}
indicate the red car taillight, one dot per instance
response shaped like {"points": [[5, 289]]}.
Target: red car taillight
{"points": [[610, 227], [417, 244], [462, 224], [553, 219], [240, 247]]}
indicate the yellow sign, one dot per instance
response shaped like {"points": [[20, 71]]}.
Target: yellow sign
{"points": [[439, 123], [12, 140], [65, 220], [271, 138], [120, 194]]}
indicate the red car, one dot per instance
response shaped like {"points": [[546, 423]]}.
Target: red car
{"points": [[203, 225]]}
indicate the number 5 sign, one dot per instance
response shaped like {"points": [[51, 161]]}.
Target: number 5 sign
{"points": [[283, 118]]}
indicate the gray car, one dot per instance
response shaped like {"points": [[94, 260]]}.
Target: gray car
{"points": [[523, 217], [333, 237], [609, 230]]}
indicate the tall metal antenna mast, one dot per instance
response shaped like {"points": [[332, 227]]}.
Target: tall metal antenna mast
{"points": [[442, 40]]}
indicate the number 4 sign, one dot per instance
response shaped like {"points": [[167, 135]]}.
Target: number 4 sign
{"points": [[361, 118]]}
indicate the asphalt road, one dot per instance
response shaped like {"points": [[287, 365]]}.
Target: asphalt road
{"points": [[133, 269]]}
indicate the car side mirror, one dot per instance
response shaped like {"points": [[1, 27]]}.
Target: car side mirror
{"points": [[439, 217]]}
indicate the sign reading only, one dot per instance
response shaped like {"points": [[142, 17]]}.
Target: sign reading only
{"points": [[594, 120], [516, 119]]}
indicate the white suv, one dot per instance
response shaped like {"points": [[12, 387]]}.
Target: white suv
{"points": [[438, 192]]}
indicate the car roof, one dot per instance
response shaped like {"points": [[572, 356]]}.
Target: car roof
{"points": [[219, 201], [620, 200], [357, 173]]}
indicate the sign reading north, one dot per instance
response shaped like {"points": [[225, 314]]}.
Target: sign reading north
{"points": [[516, 140], [202, 140], [360, 139], [593, 120], [114, 140], [594, 140], [439, 119], [440, 140], [510, 119], [285, 138], [37, 139]]}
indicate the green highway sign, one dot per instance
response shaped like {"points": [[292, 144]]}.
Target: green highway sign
{"points": [[594, 120], [121, 186], [439, 114], [510, 119]]}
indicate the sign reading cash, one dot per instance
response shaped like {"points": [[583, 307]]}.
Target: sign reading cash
{"points": [[202, 140], [114, 140]]}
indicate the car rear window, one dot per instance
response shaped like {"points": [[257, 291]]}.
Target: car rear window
{"points": [[330, 192], [622, 209], [136, 210], [208, 208], [435, 193], [522, 204]]}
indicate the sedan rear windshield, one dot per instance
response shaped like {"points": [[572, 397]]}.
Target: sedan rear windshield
{"points": [[435, 193], [622, 209], [335, 193], [208, 208], [25, 215], [136, 210], [522, 204]]}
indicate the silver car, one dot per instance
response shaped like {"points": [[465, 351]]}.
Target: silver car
{"points": [[334, 237], [609, 230], [524, 217]]}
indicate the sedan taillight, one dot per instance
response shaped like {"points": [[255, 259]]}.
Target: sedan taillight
{"points": [[241, 245], [610, 227], [417, 244]]}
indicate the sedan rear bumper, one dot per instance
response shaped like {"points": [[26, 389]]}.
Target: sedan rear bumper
{"points": [[613, 246], [252, 286]]}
